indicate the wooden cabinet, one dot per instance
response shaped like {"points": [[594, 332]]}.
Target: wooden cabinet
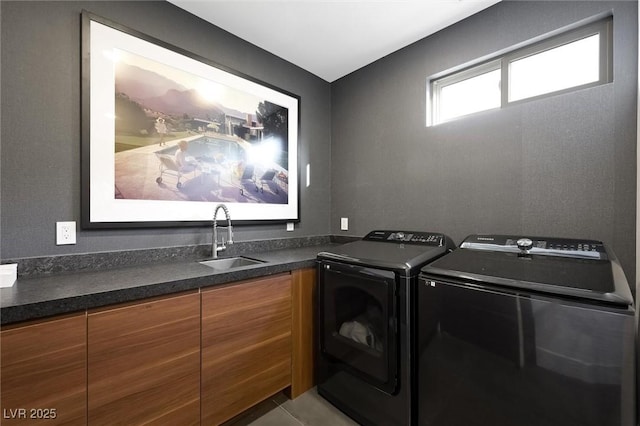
{"points": [[303, 331], [144, 362], [246, 345], [43, 372], [194, 358]]}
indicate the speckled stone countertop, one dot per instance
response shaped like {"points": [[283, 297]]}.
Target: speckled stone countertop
{"points": [[33, 297]]}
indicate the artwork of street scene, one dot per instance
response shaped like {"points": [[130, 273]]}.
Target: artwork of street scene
{"points": [[180, 137]]}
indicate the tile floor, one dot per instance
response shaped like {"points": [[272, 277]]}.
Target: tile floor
{"points": [[309, 409]]}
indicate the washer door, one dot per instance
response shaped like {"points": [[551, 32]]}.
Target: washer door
{"points": [[358, 325]]}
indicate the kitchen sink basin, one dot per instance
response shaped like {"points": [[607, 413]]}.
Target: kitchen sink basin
{"points": [[227, 263]]}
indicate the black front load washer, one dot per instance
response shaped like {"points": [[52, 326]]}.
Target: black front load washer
{"points": [[527, 332], [365, 306]]}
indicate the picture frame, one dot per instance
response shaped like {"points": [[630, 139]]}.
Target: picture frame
{"points": [[167, 135]]}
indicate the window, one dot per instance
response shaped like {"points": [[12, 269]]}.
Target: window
{"points": [[452, 93], [575, 59], [563, 67]]}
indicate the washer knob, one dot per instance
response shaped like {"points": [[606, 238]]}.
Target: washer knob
{"points": [[524, 244]]}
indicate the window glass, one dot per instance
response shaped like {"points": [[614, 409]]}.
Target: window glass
{"points": [[570, 65], [471, 95]]}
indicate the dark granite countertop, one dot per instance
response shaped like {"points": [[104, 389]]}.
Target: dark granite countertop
{"points": [[42, 296]]}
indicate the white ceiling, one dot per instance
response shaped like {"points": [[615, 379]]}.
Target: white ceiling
{"points": [[332, 38]]}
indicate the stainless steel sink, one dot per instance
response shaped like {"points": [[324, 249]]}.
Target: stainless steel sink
{"points": [[227, 263]]}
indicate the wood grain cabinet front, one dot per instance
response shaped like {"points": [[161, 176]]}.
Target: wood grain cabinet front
{"points": [[195, 358], [246, 345], [144, 363], [303, 329], [43, 372]]}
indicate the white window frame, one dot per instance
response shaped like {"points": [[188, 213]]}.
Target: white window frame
{"points": [[603, 27], [440, 83]]}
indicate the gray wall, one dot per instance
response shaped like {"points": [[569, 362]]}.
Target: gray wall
{"points": [[560, 166], [40, 127], [563, 165]]}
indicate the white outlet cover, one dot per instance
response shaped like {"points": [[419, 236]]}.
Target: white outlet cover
{"points": [[344, 223], [290, 226], [65, 233]]}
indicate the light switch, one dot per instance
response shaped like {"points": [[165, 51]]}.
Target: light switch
{"points": [[344, 223]]}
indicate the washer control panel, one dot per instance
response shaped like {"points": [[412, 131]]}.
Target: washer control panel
{"points": [[406, 237], [563, 247]]}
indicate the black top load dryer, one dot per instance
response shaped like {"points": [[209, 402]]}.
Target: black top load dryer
{"points": [[527, 332], [366, 292]]}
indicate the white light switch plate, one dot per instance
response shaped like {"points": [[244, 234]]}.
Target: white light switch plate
{"points": [[344, 223]]}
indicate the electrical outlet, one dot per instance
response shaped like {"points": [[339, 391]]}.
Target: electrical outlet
{"points": [[344, 223], [290, 226], [65, 233]]}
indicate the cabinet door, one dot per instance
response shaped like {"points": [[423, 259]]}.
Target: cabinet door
{"points": [[144, 363], [303, 331], [43, 372], [246, 345]]}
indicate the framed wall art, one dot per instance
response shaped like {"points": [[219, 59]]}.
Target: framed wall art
{"points": [[167, 135]]}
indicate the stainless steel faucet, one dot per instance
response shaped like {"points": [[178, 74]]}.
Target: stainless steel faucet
{"points": [[214, 243]]}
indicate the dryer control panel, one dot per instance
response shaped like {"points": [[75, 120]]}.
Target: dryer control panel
{"points": [[406, 237], [563, 247]]}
